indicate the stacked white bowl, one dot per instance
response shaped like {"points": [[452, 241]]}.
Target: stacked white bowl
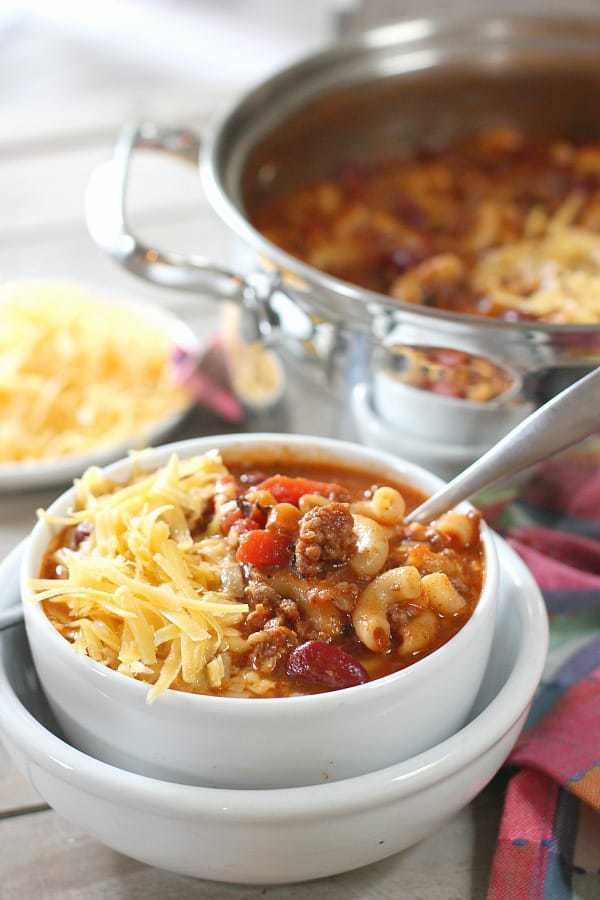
{"points": [[445, 434], [222, 788]]}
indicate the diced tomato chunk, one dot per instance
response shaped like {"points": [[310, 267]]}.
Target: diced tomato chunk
{"points": [[244, 525], [289, 490], [234, 516], [264, 549], [257, 518]]}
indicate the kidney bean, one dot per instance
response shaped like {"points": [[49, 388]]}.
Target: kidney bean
{"points": [[325, 664]]}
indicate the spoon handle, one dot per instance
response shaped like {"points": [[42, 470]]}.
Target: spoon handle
{"points": [[569, 417]]}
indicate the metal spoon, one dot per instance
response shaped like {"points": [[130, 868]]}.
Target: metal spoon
{"points": [[569, 417]]}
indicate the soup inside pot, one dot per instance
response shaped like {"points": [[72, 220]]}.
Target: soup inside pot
{"points": [[503, 223]]}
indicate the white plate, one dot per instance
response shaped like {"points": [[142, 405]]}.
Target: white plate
{"points": [[35, 474], [294, 834]]}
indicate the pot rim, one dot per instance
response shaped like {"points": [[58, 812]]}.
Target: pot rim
{"points": [[409, 33]]}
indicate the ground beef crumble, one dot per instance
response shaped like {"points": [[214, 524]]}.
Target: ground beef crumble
{"points": [[266, 606], [258, 592], [326, 538], [342, 594], [270, 647]]}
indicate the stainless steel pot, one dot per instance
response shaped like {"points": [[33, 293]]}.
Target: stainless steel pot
{"points": [[429, 79]]}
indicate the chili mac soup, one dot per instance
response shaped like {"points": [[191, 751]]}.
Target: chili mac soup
{"points": [[268, 579], [503, 223]]}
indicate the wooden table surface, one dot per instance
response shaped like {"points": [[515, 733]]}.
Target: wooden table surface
{"points": [[51, 136]]}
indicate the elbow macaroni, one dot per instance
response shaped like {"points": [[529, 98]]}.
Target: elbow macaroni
{"points": [[434, 592], [372, 520], [370, 620], [419, 632], [309, 501], [441, 594], [372, 547], [462, 528], [386, 506]]}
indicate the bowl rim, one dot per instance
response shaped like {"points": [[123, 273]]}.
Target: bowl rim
{"points": [[337, 798], [344, 451]]}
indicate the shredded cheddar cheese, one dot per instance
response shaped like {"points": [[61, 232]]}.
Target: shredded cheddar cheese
{"points": [[552, 274], [140, 593], [77, 372]]}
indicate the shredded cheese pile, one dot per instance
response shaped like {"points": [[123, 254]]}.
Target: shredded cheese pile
{"points": [[141, 595], [77, 372], [552, 274]]}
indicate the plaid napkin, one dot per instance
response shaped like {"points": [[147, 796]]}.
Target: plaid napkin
{"points": [[549, 841]]}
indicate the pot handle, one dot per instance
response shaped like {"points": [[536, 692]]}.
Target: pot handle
{"points": [[105, 209]]}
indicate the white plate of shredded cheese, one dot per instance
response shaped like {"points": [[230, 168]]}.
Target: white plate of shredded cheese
{"points": [[83, 379]]}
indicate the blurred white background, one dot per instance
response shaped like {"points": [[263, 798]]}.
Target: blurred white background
{"points": [[55, 52], [73, 71]]}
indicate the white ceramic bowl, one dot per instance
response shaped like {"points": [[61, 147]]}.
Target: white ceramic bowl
{"points": [[269, 837], [38, 473], [427, 416], [262, 743], [442, 457]]}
